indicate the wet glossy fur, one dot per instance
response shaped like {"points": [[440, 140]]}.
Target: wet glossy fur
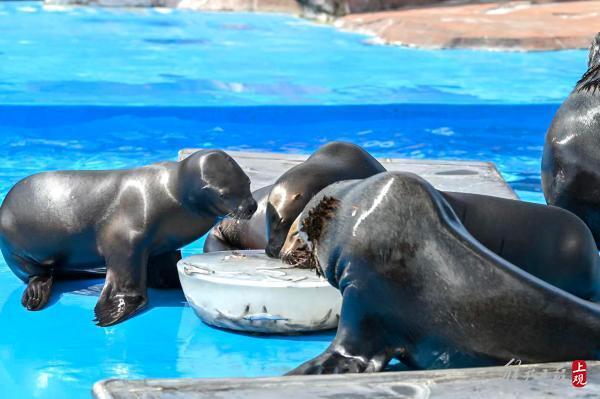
{"points": [[571, 160], [417, 286], [124, 222]]}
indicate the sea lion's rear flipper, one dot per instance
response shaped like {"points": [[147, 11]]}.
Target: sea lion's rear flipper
{"points": [[162, 270], [37, 293], [124, 291], [362, 343]]}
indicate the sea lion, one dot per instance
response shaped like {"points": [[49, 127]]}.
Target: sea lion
{"points": [[416, 285], [331, 163], [549, 242], [571, 159], [65, 223], [235, 234]]}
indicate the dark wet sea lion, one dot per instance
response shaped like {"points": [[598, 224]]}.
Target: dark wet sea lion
{"points": [[331, 163], [416, 284], [548, 242], [235, 234], [63, 224], [232, 234], [571, 160]]}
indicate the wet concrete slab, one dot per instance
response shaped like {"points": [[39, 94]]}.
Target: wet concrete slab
{"points": [[527, 381], [476, 177]]}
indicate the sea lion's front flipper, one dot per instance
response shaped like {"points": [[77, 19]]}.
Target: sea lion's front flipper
{"points": [[361, 345], [162, 270], [37, 293], [124, 291]]}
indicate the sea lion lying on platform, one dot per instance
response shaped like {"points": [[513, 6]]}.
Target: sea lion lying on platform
{"points": [[416, 285], [549, 242], [68, 223], [281, 203], [571, 160]]}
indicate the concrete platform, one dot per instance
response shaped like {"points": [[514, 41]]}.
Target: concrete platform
{"points": [[531, 382], [264, 168]]}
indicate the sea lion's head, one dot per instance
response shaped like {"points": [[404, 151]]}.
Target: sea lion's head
{"points": [[333, 162], [283, 207], [212, 182], [299, 249]]}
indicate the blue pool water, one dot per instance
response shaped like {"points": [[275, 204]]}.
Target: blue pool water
{"points": [[92, 88]]}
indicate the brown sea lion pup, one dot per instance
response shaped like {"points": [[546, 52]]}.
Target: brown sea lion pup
{"points": [[416, 285], [68, 223]]}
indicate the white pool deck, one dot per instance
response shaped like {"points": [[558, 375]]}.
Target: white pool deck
{"points": [[527, 381], [549, 380], [264, 168]]}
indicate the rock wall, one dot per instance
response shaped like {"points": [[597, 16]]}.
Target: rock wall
{"points": [[335, 8], [344, 7], [287, 6], [117, 3], [512, 25]]}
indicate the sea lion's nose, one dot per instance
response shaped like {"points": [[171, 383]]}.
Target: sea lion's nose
{"points": [[247, 208], [274, 245], [271, 251]]}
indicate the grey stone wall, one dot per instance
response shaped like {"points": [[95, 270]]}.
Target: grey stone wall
{"points": [[305, 7]]}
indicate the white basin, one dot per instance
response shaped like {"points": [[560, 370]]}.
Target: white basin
{"points": [[248, 291]]}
